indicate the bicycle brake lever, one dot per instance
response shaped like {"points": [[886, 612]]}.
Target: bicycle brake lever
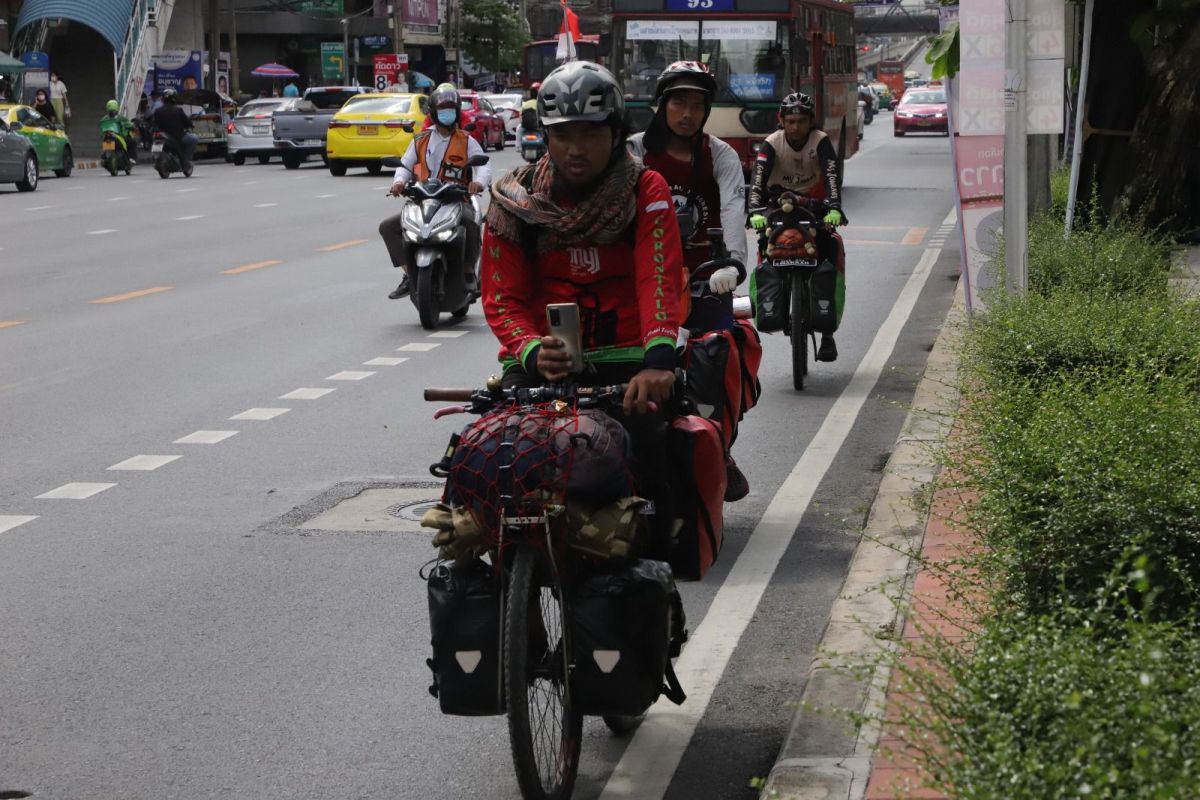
{"points": [[449, 411]]}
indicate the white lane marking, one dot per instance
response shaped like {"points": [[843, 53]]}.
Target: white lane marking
{"points": [[183, 191], [75, 189], [75, 491], [249, 183], [137, 181], [144, 463], [323, 196], [306, 394], [382, 188], [38, 208], [189, 219], [10, 521], [115, 199], [417, 347], [384, 362], [261, 413], [266, 205], [447, 334], [102, 232], [648, 765], [205, 437], [350, 375]]}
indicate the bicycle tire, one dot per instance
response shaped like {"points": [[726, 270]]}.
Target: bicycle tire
{"points": [[544, 732], [799, 333]]}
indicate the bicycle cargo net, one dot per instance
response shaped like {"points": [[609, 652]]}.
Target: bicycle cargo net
{"points": [[524, 461]]}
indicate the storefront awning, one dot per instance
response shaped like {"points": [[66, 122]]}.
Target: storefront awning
{"points": [[109, 17]]}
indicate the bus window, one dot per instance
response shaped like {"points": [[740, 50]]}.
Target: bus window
{"points": [[749, 58], [645, 47]]}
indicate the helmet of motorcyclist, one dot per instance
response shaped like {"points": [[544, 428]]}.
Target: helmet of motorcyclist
{"points": [[170, 96], [533, 89], [797, 103], [580, 91], [112, 107], [445, 99]]}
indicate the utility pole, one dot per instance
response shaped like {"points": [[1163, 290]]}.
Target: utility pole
{"points": [[1016, 151], [346, 51], [214, 41], [235, 81], [398, 27]]}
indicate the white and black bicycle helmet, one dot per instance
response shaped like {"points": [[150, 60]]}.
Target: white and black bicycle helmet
{"points": [[797, 103], [580, 91]]}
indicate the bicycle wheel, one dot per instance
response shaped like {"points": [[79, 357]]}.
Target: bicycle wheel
{"points": [[799, 332], [544, 732]]}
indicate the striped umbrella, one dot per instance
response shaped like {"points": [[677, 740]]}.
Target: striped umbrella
{"points": [[274, 71]]}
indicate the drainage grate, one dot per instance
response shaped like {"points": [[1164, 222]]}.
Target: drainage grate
{"points": [[413, 512]]}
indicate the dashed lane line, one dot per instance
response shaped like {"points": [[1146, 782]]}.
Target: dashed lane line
{"points": [[341, 245], [306, 394], [205, 437], [39, 208], [325, 196], [117, 298], [417, 347], [384, 362], [265, 205], [447, 334], [251, 267], [103, 232], [115, 199], [261, 414], [10, 521], [75, 491], [190, 218], [183, 191], [11, 323], [144, 463], [350, 375]]}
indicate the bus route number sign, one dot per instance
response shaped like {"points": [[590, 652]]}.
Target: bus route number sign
{"points": [[700, 5]]}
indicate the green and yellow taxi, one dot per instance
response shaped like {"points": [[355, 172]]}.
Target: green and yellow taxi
{"points": [[50, 141], [372, 127]]}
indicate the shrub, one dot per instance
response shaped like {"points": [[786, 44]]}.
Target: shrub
{"points": [[1054, 707], [1119, 255], [1080, 477]]}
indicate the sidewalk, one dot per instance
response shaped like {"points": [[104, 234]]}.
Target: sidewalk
{"points": [[825, 756]]}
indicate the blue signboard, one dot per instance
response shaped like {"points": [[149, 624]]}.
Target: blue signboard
{"points": [[36, 60], [375, 41], [753, 86], [700, 5]]}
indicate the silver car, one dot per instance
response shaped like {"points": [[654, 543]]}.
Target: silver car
{"points": [[250, 130], [18, 160]]}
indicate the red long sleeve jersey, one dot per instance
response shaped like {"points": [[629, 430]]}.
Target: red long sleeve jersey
{"points": [[616, 326]]}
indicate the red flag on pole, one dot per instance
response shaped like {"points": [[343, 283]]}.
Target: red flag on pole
{"points": [[568, 34]]}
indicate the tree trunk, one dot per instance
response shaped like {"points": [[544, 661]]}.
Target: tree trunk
{"points": [[1167, 132]]}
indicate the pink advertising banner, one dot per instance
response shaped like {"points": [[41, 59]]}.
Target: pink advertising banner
{"points": [[419, 12]]}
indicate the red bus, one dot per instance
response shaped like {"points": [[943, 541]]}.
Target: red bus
{"points": [[541, 57], [891, 73], [758, 50]]}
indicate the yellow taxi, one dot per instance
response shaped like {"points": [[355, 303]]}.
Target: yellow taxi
{"points": [[372, 127]]}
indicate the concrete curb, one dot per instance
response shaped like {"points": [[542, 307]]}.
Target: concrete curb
{"points": [[825, 755]]}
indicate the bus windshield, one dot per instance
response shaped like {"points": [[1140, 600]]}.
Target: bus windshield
{"points": [[541, 58], [747, 57]]}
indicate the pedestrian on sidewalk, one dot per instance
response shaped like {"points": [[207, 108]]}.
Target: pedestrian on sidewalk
{"points": [[59, 99], [43, 106]]}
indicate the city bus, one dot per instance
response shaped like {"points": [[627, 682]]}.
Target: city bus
{"points": [[758, 50], [541, 57], [891, 73]]}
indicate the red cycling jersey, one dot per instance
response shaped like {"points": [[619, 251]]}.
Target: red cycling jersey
{"points": [[616, 326]]}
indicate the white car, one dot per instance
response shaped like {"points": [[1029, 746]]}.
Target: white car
{"points": [[250, 131], [509, 107]]}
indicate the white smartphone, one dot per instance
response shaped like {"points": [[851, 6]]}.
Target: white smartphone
{"points": [[563, 319]]}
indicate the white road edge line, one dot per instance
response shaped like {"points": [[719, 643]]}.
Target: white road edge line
{"points": [[648, 765], [10, 521]]}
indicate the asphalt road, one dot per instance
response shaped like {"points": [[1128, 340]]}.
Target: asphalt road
{"points": [[170, 630]]}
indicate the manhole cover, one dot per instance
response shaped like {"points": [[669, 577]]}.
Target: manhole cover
{"points": [[413, 512]]}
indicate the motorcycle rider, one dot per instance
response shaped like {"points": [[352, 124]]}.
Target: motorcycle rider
{"points": [[705, 178], [529, 120], [800, 158], [589, 224], [442, 151], [176, 125], [121, 128]]}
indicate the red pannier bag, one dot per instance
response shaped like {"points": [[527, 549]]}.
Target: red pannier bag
{"points": [[722, 370], [697, 451]]}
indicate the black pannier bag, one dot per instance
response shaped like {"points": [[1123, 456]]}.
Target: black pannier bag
{"points": [[768, 291], [823, 314], [623, 623], [464, 618]]}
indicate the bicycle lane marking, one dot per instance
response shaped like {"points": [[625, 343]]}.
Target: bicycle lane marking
{"points": [[648, 765]]}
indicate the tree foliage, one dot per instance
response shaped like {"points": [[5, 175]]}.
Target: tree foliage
{"points": [[493, 34], [943, 53]]}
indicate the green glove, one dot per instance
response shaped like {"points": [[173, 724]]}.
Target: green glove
{"points": [[834, 217], [758, 222]]}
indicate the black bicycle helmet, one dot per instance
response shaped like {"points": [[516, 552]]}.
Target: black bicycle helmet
{"points": [[797, 102], [445, 94], [580, 91]]}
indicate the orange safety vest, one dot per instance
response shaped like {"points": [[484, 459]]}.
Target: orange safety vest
{"points": [[454, 162]]}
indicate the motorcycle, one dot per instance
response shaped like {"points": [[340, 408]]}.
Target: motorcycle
{"points": [[114, 157], [799, 279], [167, 158], [533, 145], [433, 228]]}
